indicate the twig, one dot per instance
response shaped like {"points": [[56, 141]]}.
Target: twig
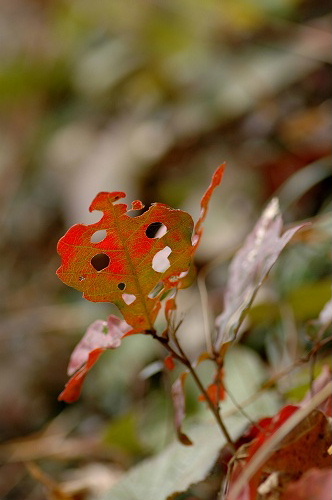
{"points": [[214, 409]]}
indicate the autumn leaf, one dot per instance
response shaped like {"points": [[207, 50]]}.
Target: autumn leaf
{"points": [[216, 180], [169, 362], [249, 268], [315, 484], [99, 337], [73, 388], [132, 265], [216, 391], [198, 231], [132, 261], [304, 448], [255, 436], [100, 334]]}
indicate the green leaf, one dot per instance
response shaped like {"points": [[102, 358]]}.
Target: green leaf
{"points": [[177, 466]]}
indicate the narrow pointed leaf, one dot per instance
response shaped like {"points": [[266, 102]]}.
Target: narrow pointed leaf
{"points": [[249, 268], [216, 180]]}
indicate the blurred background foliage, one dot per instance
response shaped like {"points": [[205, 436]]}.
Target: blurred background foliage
{"points": [[148, 97]]}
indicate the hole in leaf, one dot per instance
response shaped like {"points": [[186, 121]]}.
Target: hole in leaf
{"points": [[156, 230], [128, 298], [156, 290], [121, 286], [100, 261], [98, 236], [92, 217], [178, 277], [160, 262]]}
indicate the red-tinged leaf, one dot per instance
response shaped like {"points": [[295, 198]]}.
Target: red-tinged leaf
{"points": [[131, 266], [188, 278], [100, 334], [215, 393], [249, 268], [216, 180], [253, 431], [169, 362], [73, 388], [304, 447], [170, 307], [216, 390], [315, 484], [260, 432], [179, 404]]}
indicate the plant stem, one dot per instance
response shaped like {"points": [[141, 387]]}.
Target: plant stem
{"points": [[214, 409], [182, 357]]}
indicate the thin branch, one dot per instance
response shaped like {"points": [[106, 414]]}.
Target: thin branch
{"points": [[210, 403]]}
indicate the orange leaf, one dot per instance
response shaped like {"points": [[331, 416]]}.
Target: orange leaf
{"points": [[216, 180], [100, 335], [132, 265], [73, 388], [132, 262], [169, 362], [216, 390]]}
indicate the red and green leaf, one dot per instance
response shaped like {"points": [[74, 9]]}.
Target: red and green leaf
{"points": [[132, 262], [131, 266]]}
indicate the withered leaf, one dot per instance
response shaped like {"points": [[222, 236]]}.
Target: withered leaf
{"points": [[249, 268]]}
